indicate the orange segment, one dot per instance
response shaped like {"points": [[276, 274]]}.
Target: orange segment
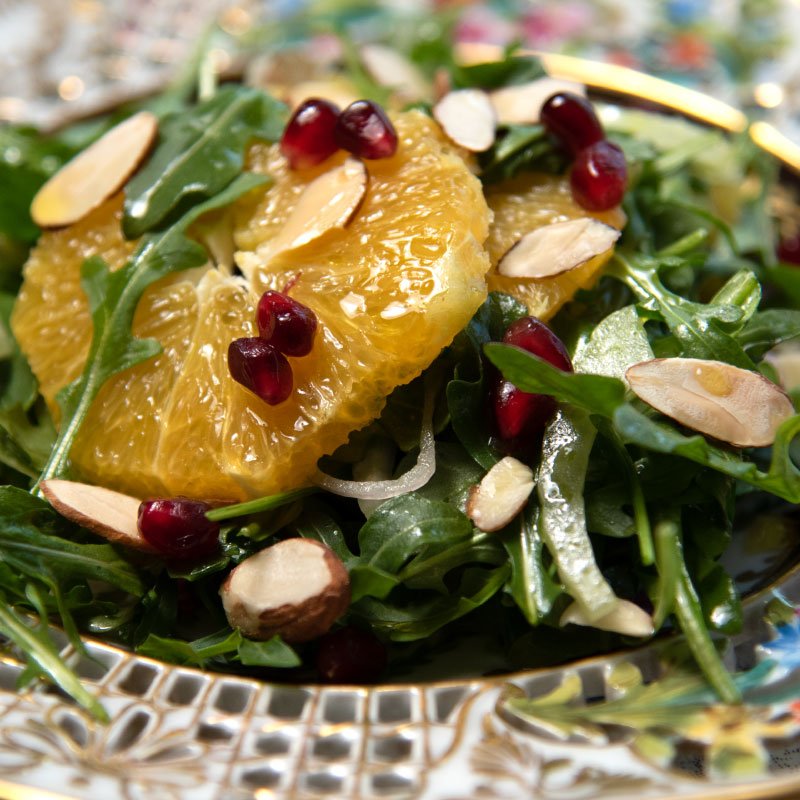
{"points": [[523, 204], [390, 291]]}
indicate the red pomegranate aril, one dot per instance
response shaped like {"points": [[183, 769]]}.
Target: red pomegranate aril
{"points": [[788, 250], [571, 120], [350, 655], [178, 528], [308, 137], [286, 324], [599, 176], [261, 368], [520, 417], [364, 130]]}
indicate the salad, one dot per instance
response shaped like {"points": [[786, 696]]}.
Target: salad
{"points": [[384, 361]]}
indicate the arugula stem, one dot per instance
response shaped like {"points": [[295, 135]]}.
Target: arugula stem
{"points": [[446, 555], [685, 244], [641, 518], [43, 654], [675, 581], [260, 504]]}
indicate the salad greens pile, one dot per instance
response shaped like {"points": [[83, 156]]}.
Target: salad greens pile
{"points": [[628, 504]]}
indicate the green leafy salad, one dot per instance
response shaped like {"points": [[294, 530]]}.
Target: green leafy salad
{"points": [[672, 430]]}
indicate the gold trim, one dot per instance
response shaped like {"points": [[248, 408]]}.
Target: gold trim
{"points": [[769, 138], [623, 81], [14, 791]]}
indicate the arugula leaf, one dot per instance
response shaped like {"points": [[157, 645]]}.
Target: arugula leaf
{"points": [[398, 530], [681, 597], [704, 331], [200, 152], [31, 541], [420, 619], [113, 297], [43, 655], [273, 652], [44, 569], [27, 159], [782, 478], [531, 585], [767, 328], [222, 647], [315, 524], [517, 149], [597, 394], [509, 71]]}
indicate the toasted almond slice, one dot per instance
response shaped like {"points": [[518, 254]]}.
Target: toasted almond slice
{"points": [[467, 118], [107, 513], [328, 202], [392, 69], [501, 495], [96, 173], [522, 104], [731, 404], [556, 248], [296, 588], [626, 618]]}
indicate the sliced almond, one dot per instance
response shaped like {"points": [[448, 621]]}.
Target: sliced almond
{"points": [[728, 403], [393, 70], [467, 118], [626, 618], [96, 173], [522, 104], [556, 248], [109, 514], [501, 495], [328, 202], [296, 589]]}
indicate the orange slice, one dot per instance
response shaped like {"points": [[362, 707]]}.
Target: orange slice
{"points": [[528, 202], [389, 290]]}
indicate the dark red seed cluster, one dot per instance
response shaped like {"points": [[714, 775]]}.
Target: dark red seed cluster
{"points": [[259, 363], [317, 129], [520, 417], [350, 655], [178, 528], [599, 174]]}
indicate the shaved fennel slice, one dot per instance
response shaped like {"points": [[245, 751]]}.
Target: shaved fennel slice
{"points": [[409, 481]]}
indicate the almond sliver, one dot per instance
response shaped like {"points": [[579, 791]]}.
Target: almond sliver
{"points": [[522, 104], [725, 402], [467, 118], [96, 173], [109, 514], [501, 495], [328, 202], [556, 248]]}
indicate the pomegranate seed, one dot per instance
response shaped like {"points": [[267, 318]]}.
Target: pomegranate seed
{"points": [[286, 324], [364, 129], [308, 137], [599, 176], [178, 527], [261, 368], [571, 119], [350, 655], [788, 249], [520, 417]]}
